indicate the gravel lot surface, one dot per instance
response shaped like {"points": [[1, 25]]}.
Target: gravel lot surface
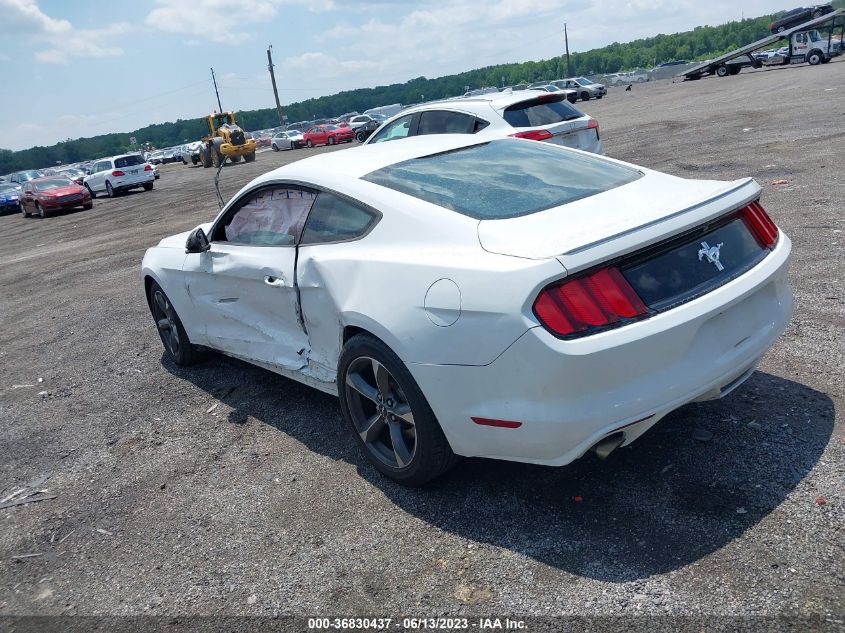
{"points": [[225, 489]]}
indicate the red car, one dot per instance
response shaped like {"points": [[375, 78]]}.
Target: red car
{"points": [[328, 135], [53, 193]]}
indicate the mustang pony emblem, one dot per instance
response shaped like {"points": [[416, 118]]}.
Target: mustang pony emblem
{"points": [[712, 254]]}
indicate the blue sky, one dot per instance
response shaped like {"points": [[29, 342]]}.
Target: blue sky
{"points": [[74, 68]]}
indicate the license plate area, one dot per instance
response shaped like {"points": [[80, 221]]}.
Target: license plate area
{"points": [[689, 267]]}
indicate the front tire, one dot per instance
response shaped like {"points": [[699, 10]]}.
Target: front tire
{"points": [[331, 140], [360, 137], [722, 71], [24, 212], [389, 417], [585, 96], [173, 336], [309, 144], [815, 58], [248, 158], [41, 213], [88, 206], [275, 148], [91, 191]]}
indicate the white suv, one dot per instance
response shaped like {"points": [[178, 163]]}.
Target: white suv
{"points": [[119, 173], [531, 114]]}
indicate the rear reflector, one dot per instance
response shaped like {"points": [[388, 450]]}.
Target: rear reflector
{"points": [[761, 224], [504, 424], [533, 135], [596, 300], [117, 172]]}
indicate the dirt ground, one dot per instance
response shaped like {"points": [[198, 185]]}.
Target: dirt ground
{"points": [[227, 490]]}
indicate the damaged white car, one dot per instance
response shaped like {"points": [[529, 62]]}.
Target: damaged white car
{"points": [[505, 299]]}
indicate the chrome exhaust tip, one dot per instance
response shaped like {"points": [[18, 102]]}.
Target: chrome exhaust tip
{"points": [[607, 445]]}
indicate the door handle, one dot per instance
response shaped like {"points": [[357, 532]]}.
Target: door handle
{"points": [[276, 282]]}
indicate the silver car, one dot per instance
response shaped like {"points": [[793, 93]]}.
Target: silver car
{"points": [[289, 139], [586, 89], [531, 114]]}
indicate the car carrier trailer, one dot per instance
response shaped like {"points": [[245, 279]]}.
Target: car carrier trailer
{"points": [[801, 49]]}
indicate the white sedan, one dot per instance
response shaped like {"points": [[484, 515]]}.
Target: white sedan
{"points": [[506, 299]]}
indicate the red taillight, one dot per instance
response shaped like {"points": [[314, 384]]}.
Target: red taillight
{"points": [[148, 168], [760, 224], [117, 172], [533, 135], [594, 125], [576, 305]]}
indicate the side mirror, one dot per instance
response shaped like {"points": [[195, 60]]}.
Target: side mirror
{"points": [[197, 241]]}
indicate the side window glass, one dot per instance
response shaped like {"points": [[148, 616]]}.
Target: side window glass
{"points": [[270, 217], [400, 128], [445, 122], [334, 219]]}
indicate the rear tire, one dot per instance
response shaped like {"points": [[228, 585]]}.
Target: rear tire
{"points": [[360, 137], [148, 186], [235, 159], [88, 206], [722, 71], [292, 145], [585, 96], [331, 141], [248, 158], [409, 447], [173, 336], [781, 29], [110, 192]]}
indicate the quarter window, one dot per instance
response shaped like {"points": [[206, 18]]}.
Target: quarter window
{"points": [[335, 219], [270, 217]]}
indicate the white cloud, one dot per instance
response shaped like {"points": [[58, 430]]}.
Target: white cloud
{"points": [[63, 41], [83, 43], [25, 14], [220, 21]]}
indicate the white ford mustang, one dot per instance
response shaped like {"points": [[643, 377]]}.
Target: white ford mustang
{"points": [[506, 299]]}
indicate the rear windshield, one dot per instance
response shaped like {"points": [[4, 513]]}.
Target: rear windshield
{"points": [[541, 111], [503, 178], [53, 183], [128, 161]]}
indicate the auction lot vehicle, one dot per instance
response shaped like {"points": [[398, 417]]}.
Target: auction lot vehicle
{"points": [[289, 139], [327, 135], [810, 42], [49, 194], [226, 140], [798, 16], [21, 177], [584, 88], [10, 198], [506, 299], [118, 174], [535, 115]]}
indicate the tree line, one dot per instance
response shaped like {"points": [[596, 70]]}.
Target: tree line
{"points": [[700, 43]]}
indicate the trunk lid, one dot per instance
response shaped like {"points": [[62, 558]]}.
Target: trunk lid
{"points": [[617, 221]]}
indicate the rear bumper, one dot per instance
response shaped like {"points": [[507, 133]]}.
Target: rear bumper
{"points": [[570, 394]]}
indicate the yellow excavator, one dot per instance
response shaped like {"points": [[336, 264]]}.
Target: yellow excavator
{"points": [[226, 140]]}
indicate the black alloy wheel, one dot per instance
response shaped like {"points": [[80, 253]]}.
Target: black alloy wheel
{"points": [[388, 414]]}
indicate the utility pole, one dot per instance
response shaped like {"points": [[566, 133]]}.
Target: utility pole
{"points": [[220, 107], [566, 39], [273, 79]]}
